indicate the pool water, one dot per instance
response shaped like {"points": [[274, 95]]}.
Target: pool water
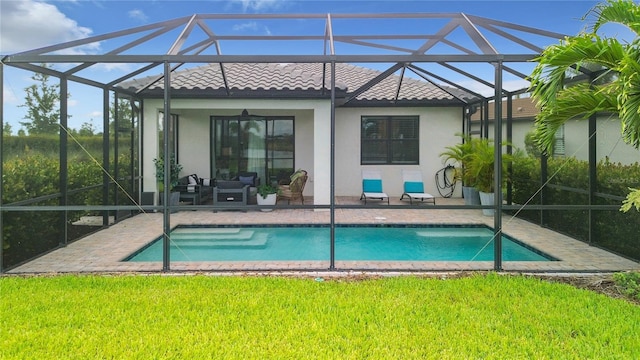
{"points": [[356, 243]]}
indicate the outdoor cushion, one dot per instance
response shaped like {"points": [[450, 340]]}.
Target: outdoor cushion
{"points": [[247, 180], [413, 187], [372, 185]]}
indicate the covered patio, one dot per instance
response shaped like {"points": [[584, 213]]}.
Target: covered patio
{"points": [[322, 110]]}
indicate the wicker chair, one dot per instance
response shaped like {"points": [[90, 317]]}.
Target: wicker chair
{"points": [[294, 189]]}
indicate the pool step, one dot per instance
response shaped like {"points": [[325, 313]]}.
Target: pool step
{"points": [[206, 230], [243, 235], [258, 241], [458, 232]]}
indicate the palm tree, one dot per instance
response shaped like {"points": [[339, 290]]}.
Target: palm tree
{"points": [[613, 87]]}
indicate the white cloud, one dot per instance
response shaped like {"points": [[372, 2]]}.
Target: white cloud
{"points": [[8, 96], [31, 24], [245, 26], [260, 5], [95, 114], [138, 14], [511, 85]]}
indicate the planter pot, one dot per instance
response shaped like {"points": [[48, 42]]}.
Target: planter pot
{"points": [[269, 200], [470, 195], [487, 199]]}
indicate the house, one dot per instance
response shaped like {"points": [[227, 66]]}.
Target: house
{"points": [[272, 118], [571, 138]]}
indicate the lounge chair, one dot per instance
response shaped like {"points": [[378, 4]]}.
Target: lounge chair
{"points": [[293, 190], [414, 187], [372, 186]]}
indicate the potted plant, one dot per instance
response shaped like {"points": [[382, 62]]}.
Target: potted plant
{"points": [[174, 172], [267, 195], [481, 165], [460, 153]]}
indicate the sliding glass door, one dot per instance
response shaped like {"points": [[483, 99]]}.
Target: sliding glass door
{"points": [[264, 145]]}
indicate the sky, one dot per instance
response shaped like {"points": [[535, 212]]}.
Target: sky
{"points": [[30, 24]]}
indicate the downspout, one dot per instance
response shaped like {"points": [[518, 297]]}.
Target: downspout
{"points": [[497, 166]]}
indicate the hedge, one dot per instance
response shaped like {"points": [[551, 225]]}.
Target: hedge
{"points": [[612, 230], [33, 175]]}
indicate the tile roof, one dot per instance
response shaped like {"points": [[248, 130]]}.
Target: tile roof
{"points": [[523, 108], [294, 80]]}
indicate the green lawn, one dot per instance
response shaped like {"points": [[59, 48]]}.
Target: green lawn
{"points": [[219, 317]]}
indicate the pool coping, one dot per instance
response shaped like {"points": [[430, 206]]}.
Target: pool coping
{"points": [[103, 251]]}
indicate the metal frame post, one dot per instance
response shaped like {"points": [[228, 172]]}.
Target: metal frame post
{"points": [[497, 130], [1, 163], [105, 155], [64, 158], [332, 201], [509, 147], [593, 174], [166, 240]]}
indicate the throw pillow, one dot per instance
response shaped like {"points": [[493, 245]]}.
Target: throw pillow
{"points": [[206, 182], [296, 175], [193, 179], [246, 180]]}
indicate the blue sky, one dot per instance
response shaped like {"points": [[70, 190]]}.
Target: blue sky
{"points": [[29, 24]]}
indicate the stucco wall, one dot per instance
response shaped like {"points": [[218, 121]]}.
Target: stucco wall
{"points": [[438, 127], [576, 138], [194, 132]]}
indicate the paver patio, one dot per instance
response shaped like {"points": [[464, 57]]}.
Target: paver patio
{"points": [[104, 251]]}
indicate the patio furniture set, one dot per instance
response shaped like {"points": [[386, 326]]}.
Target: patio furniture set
{"points": [[240, 190]]}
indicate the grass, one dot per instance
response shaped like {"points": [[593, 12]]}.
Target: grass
{"points": [[214, 317]]}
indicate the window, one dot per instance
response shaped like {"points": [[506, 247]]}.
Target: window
{"points": [[262, 144], [389, 140], [558, 145]]}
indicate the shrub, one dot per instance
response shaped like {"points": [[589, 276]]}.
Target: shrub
{"points": [[629, 282], [613, 230], [26, 234]]}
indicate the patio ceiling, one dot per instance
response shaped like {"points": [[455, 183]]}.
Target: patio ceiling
{"points": [[427, 46]]}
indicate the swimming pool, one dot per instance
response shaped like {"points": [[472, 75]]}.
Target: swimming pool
{"points": [[357, 243]]}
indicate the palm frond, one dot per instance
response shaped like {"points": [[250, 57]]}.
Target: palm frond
{"points": [[576, 102], [624, 12], [547, 78]]}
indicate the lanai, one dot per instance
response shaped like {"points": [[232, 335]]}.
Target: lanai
{"points": [[449, 43]]}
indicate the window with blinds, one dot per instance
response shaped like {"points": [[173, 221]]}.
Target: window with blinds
{"points": [[387, 140]]}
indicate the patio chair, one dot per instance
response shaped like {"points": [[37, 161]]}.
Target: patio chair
{"points": [[372, 186], [294, 189], [414, 187]]}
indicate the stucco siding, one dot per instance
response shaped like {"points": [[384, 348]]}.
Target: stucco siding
{"points": [[438, 127]]}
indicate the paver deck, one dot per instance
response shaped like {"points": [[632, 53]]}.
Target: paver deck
{"points": [[104, 251]]}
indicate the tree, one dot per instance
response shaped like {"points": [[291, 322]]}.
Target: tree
{"points": [[6, 129], [125, 115], [87, 129], [43, 105], [618, 63]]}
